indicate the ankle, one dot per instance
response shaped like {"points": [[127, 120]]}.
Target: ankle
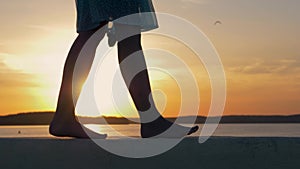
{"points": [[59, 118]]}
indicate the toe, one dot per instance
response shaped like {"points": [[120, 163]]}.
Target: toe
{"points": [[193, 130]]}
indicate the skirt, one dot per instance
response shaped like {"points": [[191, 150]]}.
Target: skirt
{"points": [[90, 13]]}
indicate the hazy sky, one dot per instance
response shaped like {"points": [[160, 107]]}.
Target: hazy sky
{"points": [[258, 42]]}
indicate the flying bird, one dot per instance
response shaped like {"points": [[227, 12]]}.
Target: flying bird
{"points": [[218, 22]]}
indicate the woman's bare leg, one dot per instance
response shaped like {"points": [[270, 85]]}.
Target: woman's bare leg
{"points": [[65, 123], [140, 89]]}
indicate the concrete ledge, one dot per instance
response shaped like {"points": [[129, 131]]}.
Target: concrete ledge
{"points": [[216, 153]]}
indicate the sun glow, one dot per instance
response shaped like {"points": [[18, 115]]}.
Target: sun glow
{"points": [[111, 96]]}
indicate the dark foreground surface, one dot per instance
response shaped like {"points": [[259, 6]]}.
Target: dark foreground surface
{"points": [[216, 153]]}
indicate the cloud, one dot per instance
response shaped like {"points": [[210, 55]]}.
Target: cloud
{"points": [[14, 78], [280, 66], [186, 4], [194, 1], [48, 28]]}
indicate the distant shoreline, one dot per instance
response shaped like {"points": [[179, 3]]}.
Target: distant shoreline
{"points": [[44, 118]]}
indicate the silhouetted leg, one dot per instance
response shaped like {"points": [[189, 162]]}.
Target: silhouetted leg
{"points": [[65, 123], [140, 89]]}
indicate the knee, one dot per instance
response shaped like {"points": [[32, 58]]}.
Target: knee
{"points": [[130, 42]]}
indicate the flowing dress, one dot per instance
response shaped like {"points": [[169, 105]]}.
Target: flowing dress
{"points": [[90, 13]]}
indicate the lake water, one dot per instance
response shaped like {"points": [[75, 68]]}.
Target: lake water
{"points": [[114, 131]]}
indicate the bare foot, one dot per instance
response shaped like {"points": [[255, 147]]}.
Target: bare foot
{"points": [[72, 128], [158, 128]]}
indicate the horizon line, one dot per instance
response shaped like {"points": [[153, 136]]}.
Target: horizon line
{"points": [[103, 116]]}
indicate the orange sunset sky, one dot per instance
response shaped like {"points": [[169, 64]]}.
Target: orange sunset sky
{"points": [[258, 42]]}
